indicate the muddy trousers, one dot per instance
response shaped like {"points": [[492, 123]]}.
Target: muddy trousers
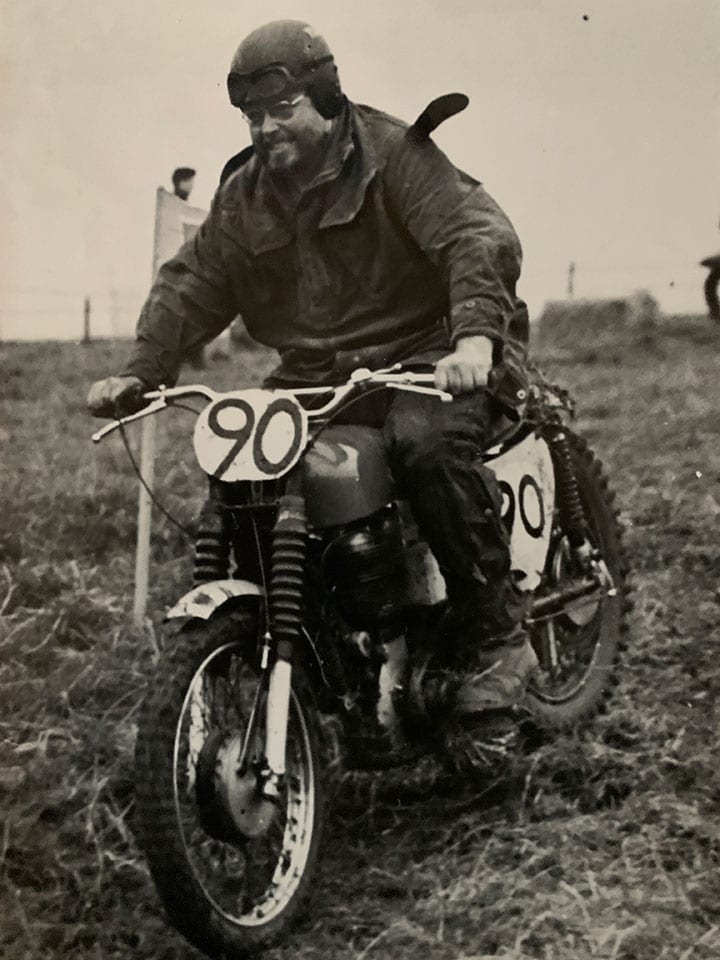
{"points": [[434, 453]]}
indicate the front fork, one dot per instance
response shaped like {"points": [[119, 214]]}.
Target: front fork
{"points": [[285, 614], [276, 724]]}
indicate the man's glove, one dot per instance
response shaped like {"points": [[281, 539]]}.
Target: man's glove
{"points": [[116, 397]]}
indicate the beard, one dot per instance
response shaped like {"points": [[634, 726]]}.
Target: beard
{"points": [[279, 154]]}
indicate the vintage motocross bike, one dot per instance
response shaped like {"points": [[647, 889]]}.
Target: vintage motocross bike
{"points": [[315, 631]]}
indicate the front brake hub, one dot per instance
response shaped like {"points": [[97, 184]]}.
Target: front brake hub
{"points": [[230, 805]]}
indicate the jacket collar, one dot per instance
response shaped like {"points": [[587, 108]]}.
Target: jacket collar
{"points": [[350, 164], [352, 175]]}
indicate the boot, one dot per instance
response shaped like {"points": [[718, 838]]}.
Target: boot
{"points": [[500, 677]]}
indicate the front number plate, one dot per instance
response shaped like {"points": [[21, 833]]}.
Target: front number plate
{"points": [[250, 435]]}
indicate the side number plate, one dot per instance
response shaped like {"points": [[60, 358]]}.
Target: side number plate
{"points": [[250, 435], [527, 481]]}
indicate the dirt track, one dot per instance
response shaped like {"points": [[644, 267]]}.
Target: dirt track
{"points": [[606, 844]]}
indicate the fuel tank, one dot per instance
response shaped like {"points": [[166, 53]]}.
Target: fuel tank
{"points": [[346, 476]]}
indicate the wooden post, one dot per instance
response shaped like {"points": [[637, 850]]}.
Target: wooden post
{"points": [[86, 321], [144, 520], [147, 472]]}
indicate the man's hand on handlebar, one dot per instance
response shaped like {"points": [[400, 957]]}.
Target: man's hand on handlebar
{"points": [[116, 397], [467, 368], [126, 398]]}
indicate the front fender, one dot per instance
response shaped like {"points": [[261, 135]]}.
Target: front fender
{"points": [[204, 600]]}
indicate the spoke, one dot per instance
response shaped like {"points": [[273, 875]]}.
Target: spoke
{"points": [[552, 647]]}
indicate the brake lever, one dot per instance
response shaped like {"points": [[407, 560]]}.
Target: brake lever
{"points": [[174, 393], [151, 408]]}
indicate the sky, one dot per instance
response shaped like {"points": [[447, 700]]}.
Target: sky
{"points": [[594, 123]]}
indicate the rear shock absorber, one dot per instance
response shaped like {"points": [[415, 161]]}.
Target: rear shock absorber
{"points": [[572, 515], [212, 545]]}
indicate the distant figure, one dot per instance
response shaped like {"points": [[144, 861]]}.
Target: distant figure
{"points": [[183, 179], [711, 286]]}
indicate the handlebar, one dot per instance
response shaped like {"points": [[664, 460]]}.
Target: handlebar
{"points": [[393, 377]]}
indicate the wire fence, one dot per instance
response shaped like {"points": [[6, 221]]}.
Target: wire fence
{"points": [[29, 313]]}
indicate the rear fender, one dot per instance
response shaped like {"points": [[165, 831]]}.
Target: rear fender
{"points": [[205, 599]]}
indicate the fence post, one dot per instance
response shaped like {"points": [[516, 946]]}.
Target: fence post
{"points": [[86, 321], [144, 520], [571, 280]]}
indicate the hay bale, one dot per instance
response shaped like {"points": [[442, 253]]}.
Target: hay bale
{"points": [[572, 325]]}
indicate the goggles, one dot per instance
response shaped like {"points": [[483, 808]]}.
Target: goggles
{"points": [[275, 82], [254, 112]]}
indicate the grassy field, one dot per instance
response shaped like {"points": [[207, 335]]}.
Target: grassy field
{"points": [[606, 846]]}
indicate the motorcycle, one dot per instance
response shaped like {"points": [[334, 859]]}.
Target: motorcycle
{"points": [[321, 646]]}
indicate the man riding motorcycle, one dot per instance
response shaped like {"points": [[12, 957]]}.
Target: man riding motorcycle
{"points": [[347, 239]]}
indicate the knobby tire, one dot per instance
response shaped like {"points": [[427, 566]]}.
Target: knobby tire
{"points": [[190, 910], [596, 685]]}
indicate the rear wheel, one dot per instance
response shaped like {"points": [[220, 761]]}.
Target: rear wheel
{"points": [[578, 649], [232, 868]]}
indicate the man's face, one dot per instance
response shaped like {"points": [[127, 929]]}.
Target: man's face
{"points": [[184, 188], [288, 134]]}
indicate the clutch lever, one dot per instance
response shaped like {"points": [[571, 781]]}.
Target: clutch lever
{"points": [[416, 388]]}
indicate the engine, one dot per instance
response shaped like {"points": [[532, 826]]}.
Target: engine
{"points": [[363, 565]]}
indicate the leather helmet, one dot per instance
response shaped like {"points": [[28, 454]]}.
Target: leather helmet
{"points": [[283, 58]]}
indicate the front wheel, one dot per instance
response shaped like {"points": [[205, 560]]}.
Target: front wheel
{"points": [[579, 648], [232, 868]]}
